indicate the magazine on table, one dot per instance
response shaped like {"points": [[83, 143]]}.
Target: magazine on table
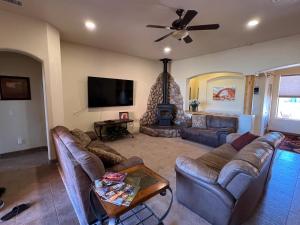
{"points": [[112, 188]]}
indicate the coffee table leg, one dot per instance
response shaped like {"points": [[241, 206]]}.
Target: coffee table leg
{"points": [[169, 207]]}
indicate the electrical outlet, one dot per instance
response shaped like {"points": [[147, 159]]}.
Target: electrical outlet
{"points": [[20, 140]]}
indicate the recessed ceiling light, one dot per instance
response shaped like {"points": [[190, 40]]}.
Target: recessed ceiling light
{"points": [[253, 23], [167, 50], [90, 25]]}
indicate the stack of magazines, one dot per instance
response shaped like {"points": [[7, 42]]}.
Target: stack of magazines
{"points": [[113, 188]]}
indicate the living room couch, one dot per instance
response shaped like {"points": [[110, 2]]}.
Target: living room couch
{"points": [[79, 168], [209, 129], [224, 185]]}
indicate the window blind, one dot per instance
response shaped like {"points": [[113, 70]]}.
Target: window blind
{"points": [[289, 86]]}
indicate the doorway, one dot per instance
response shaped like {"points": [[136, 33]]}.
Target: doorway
{"points": [[23, 122]]}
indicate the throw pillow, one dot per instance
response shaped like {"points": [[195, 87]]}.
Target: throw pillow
{"points": [[199, 121], [109, 159], [243, 140], [82, 138]]}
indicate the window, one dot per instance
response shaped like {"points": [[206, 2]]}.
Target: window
{"points": [[289, 97]]}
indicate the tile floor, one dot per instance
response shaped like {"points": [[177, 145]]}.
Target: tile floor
{"points": [[29, 178]]}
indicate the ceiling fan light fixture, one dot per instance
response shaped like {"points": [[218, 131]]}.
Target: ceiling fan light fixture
{"points": [[180, 34]]}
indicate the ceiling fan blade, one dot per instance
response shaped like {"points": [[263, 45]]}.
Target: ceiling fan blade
{"points": [[163, 37], [190, 14], [158, 26], [204, 27], [187, 39]]}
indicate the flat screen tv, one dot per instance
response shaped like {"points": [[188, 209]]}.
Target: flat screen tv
{"points": [[106, 92]]}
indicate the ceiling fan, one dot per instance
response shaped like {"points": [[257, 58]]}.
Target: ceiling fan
{"points": [[180, 26]]}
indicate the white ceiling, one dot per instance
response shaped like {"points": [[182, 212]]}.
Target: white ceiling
{"points": [[121, 23]]}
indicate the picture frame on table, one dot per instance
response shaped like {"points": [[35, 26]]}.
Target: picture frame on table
{"points": [[124, 115]]}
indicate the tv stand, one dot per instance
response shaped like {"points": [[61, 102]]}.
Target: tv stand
{"points": [[114, 129]]}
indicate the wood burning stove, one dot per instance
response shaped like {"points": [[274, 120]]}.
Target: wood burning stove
{"points": [[165, 110]]}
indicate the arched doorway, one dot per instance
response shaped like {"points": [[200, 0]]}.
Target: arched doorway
{"points": [[23, 122]]}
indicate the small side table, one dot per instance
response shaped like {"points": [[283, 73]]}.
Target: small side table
{"points": [[151, 185]]}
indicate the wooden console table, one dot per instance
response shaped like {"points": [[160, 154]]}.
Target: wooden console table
{"points": [[114, 128]]}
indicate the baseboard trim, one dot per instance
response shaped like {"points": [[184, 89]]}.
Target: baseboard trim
{"points": [[24, 151]]}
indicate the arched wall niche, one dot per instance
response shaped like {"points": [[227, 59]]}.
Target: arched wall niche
{"points": [[201, 87], [25, 120]]}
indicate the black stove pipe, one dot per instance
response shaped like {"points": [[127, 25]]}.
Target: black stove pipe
{"points": [[165, 80]]}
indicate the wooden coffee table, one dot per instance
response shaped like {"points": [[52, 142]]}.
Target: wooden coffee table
{"points": [[151, 184]]}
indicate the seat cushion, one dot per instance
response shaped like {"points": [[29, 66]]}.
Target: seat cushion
{"points": [[255, 153], [81, 137], [225, 151]]}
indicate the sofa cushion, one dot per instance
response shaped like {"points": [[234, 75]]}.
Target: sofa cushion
{"points": [[199, 121], [221, 121], [243, 140], [213, 161], [272, 138], [89, 162], [255, 153], [225, 151], [81, 136]]}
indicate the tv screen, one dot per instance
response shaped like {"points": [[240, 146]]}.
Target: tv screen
{"points": [[105, 92]]}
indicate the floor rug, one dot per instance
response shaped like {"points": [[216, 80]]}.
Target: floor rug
{"points": [[291, 143]]}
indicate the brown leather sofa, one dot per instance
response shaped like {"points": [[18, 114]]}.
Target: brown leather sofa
{"points": [[224, 185], [79, 168], [214, 133]]}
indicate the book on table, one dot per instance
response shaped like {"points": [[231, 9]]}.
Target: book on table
{"points": [[112, 188]]}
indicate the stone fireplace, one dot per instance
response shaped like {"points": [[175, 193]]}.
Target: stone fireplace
{"points": [[164, 114]]}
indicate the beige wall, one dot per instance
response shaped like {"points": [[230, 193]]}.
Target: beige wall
{"points": [[22, 119], [245, 60], [41, 41], [79, 62], [205, 84]]}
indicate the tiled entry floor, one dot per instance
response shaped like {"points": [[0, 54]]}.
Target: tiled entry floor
{"points": [[29, 178], [281, 202]]}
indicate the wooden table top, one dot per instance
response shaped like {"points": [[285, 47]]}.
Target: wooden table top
{"points": [[160, 184]]}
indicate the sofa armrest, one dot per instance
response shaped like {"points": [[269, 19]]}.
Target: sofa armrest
{"points": [[196, 169], [231, 137]]}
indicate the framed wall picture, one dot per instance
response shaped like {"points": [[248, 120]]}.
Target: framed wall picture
{"points": [[124, 115], [14, 88], [223, 94]]}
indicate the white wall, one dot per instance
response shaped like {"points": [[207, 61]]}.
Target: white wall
{"points": [[246, 60], [207, 82], [22, 119], [79, 62], [41, 41]]}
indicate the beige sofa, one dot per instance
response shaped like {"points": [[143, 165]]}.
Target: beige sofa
{"points": [[224, 185]]}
